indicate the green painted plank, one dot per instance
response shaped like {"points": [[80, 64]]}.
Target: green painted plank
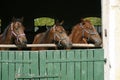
{"points": [[50, 65], [99, 66], [26, 67], [34, 65], [71, 69], [70, 66], [77, 65], [11, 71], [19, 66], [83, 65], [63, 66], [42, 64], [4, 66], [56, 66], [90, 65], [37, 77], [73, 60]]}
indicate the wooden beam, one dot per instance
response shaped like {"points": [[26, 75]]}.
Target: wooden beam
{"points": [[45, 45]]}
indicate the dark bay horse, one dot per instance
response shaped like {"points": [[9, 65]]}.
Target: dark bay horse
{"points": [[55, 34], [85, 32], [14, 34]]}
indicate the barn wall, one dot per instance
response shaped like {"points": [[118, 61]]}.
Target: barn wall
{"points": [[111, 26]]}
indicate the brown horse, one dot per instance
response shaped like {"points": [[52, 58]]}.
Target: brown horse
{"points": [[85, 32], [14, 34], [55, 34]]}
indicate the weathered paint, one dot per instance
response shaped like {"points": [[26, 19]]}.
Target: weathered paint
{"points": [[83, 64], [111, 42]]}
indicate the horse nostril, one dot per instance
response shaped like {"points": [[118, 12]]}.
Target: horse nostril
{"points": [[98, 43]]}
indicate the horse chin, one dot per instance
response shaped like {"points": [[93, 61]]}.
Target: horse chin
{"points": [[21, 45], [97, 43], [67, 45]]}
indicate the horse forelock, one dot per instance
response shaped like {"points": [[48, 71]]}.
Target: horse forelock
{"points": [[86, 24], [17, 20], [53, 28]]}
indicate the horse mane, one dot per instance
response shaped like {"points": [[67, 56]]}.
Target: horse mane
{"points": [[17, 19], [86, 20], [44, 35], [41, 38], [4, 34]]}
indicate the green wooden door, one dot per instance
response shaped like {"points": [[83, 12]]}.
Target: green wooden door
{"points": [[83, 64]]}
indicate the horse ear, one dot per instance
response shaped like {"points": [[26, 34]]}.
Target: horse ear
{"points": [[61, 22], [81, 20], [57, 23], [22, 18], [54, 27], [13, 19]]}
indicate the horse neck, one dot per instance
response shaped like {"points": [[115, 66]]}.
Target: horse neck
{"points": [[42, 38], [47, 37], [7, 38], [76, 35]]}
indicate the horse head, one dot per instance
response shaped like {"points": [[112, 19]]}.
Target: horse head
{"points": [[89, 32], [17, 31], [60, 36]]}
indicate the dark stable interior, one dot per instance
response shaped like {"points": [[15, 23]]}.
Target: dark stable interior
{"points": [[71, 11]]}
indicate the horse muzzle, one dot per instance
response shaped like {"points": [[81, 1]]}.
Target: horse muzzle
{"points": [[24, 43], [21, 44], [98, 43], [66, 43]]}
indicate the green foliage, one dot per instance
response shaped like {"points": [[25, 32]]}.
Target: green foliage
{"points": [[94, 20], [44, 21]]}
